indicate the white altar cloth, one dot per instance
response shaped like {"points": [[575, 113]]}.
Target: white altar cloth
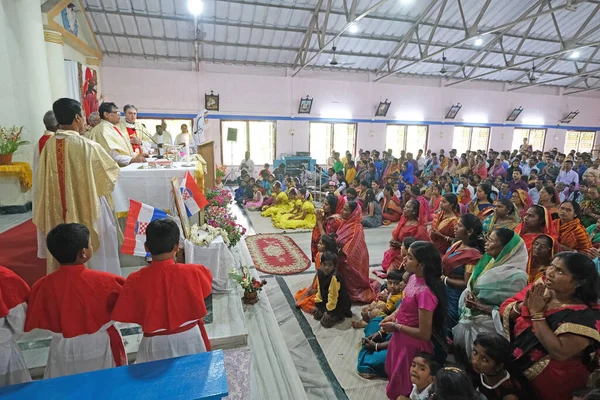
{"points": [[151, 186]]}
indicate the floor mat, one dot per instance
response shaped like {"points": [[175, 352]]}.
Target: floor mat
{"points": [[18, 252], [277, 254]]}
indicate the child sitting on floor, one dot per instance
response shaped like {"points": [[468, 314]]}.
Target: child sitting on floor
{"points": [[257, 200], [422, 375], [305, 298], [332, 301], [388, 299]]}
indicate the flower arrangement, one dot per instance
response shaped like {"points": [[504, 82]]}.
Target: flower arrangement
{"points": [[204, 235], [220, 171], [218, 197], [218, 217], [10, 139], [247, 282]]}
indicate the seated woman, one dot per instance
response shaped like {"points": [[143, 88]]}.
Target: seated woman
{"points": [[413, 223], [483, 204], [373, 218], [522, 201], [594, 233], [391, 206], [257, 199], [280, 200], [505, 216], [498, 275], [553, 327], [460, 260], [305, 219], [464, 196], [305, 298], [444, 222], [590, 207], [435, 197], [329, 219], [353, 264], [542, 253], [572, 236], [549, 199]]}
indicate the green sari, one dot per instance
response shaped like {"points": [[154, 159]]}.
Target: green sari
{"points": [[594, 237], [493, 281]]}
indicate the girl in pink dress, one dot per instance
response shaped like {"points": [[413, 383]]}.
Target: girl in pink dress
{"points": [[425, 301], [257, 200]]}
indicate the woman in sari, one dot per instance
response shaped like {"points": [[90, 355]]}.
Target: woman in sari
{"points": [[435, 197], [280, 202], [522, 201], [329, 220], [353, 262], [505, 216], [464, 196], [391, 206], [459, 261], [413, 223], [549, 199], [450, 169], [542, 253], [442, 226], [480, 167], [407, 174], [553, 326], [594, 233], [498, 275], [483, 206], [590, 208], [392, 170], [572, 236], [463, 168]]}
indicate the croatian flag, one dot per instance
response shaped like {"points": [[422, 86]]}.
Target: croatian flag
{"points": [[140, 215], [192, 196]]}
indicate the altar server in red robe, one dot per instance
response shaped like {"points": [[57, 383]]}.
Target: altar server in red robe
{"points": [[14, 293], [75, 303], [166, 298]]}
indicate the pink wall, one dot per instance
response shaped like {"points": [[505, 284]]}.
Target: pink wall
{"points": [[249, 91]]}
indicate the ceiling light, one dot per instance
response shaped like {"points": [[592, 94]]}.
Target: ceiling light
{"points": [[195, 7], [575, 54], [353, 28], [478, 42]]}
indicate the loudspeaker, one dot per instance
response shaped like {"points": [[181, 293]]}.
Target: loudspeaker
{"points": [[232, 134]]}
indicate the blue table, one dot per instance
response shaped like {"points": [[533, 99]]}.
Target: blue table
{"points": [[195, 377]]}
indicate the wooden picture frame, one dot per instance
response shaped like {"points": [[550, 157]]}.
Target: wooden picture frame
{"points": [[179, 204], [305, 105], [211, 101], [382, 108], [514, 114], [453, 111]]}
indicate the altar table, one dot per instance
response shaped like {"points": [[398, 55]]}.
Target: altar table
{"points": [[15, 188], [150, 186]]}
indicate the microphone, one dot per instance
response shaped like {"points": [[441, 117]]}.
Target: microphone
{"points": [[158, 156]]}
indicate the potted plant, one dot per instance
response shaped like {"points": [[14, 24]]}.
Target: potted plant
{"points": [[220, 174], [250, 285], [10, 141]]}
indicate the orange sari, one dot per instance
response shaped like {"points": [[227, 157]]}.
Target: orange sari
{"points": [[573, 235], [392, 210], [304, 299], [446, 227]]}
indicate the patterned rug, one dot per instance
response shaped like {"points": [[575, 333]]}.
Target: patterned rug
{"points": [[277, 254]]}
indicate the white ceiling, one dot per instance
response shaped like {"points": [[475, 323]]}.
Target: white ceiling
{"points": [[497, 40]]}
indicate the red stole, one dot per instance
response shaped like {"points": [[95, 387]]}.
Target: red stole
{"points": [[132, 133], [165, 295], [42, 142], [13, 291], [76, 301]]}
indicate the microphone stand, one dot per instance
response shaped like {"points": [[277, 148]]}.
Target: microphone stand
{"points": [[158, 145]]}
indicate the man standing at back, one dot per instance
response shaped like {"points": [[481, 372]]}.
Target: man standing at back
{"points": [[116, 142], [75, 179]]}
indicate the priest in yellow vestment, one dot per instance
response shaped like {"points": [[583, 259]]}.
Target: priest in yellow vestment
{"points": [[136, 131], [116, 142], [75, 179]]}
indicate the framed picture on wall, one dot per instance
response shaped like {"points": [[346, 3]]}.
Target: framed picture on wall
{"points": [[514, 114], [453, 111], [382, 108], [211, 101], [305, 105]]}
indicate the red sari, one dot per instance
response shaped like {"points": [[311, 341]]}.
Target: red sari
{"points": [[446, 227], [526, 200], [392, 209], [392, 258], [331, 225], [548, 230], [353, 264], [549, 378]]}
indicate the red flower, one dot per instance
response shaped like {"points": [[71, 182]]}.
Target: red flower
{"points": [[598, 325], [535, 354], [517, 353]]}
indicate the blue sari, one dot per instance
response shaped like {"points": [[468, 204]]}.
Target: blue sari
{"points": [[408, 175]]}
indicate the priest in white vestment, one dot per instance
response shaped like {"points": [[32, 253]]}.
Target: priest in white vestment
{"points": [[116, 142], [75, 180]]}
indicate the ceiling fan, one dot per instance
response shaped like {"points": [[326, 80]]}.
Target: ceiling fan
{"points": [[444, 71], [333, 60]]}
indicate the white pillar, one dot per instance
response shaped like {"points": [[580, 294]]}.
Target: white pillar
{"points": [[56, 63], [32, 48]]}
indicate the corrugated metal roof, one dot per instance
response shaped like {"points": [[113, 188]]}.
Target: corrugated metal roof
{"points": [[273, 32]]}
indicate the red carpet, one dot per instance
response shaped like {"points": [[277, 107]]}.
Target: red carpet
{"points": [[277, 254], [18, 252]]}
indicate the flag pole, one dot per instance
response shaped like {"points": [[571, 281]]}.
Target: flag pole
{"points": [[202, 217]]}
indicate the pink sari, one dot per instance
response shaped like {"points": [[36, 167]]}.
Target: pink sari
{"points": [[353, 265]]}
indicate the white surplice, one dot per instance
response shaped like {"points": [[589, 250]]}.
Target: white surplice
{"points": [[169, 346], [13, 369]]}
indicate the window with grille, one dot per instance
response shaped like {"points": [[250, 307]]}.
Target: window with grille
{"points": [[580, 141], [257, 137], [470, 138], [173, 125], [410, 138], [325, 137], [535, 137]]}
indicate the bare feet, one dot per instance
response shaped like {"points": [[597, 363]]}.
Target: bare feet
{"points": [[358, 324]]}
